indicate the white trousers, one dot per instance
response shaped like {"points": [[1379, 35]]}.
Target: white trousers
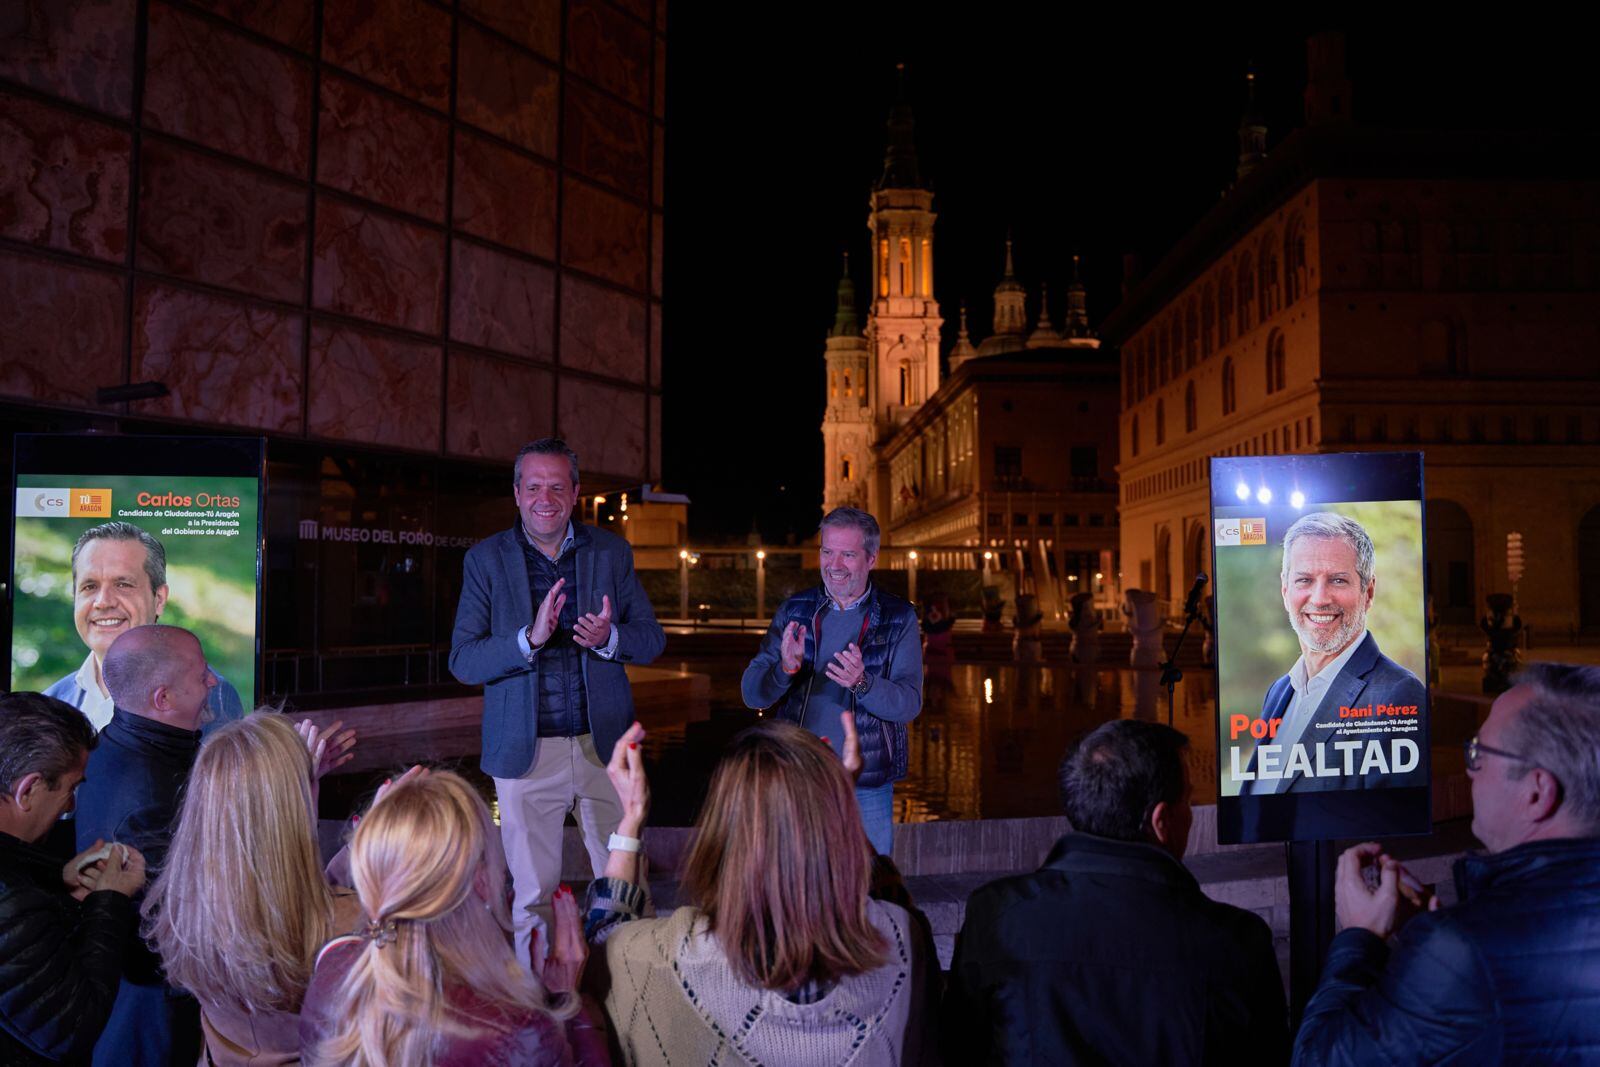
{"points": [[566, 774]]}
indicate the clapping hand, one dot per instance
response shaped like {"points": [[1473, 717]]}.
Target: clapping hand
{"points": [[626, 771], [329, 749], [852, 746], [549, 613], [594, 630], [793, 648], [417, 770], [846, 667], [568, 950]]}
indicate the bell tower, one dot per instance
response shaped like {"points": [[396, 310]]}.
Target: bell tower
{"points": [[904, 333], [847, 421]]}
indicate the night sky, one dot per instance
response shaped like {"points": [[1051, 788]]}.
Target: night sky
{"points": [[1091, 139]]}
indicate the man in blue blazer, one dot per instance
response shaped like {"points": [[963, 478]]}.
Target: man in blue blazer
{"points": [[555, 690], [1341, 683]]}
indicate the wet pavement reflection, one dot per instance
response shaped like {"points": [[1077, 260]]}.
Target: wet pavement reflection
{"points": [[987, 744]]}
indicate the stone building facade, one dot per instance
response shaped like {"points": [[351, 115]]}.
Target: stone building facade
{"points": [[1365, 289]]}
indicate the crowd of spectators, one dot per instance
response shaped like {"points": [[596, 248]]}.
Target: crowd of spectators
{"points": [[795, 943]]}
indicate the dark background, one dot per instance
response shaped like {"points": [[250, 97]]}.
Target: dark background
{"points": [[1097, 138]]}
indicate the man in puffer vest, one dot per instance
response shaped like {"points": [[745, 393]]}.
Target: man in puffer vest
{"points": [[847, 646], [1507, 975]]}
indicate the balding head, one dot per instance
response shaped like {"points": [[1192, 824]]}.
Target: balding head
{"points": [[159, 672]]}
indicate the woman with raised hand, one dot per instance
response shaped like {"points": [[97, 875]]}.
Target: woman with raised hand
{"points": [[780, 956], [242, 904], [432, 977]]}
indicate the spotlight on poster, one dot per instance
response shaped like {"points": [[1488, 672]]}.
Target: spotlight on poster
{"points": [[1322, 711], [112, 532]]}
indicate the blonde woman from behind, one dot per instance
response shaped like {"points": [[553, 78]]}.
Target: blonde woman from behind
{"points": [[432, 978], [242, 905]]}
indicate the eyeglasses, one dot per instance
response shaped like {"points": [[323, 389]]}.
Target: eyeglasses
{"points": [[1475, 751]]}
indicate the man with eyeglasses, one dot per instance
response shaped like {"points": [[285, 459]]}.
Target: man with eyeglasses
{"points": [[1511, 973]]}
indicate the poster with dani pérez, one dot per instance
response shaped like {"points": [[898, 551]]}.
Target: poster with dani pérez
{"points": [[112, 532], [1322, 711]]}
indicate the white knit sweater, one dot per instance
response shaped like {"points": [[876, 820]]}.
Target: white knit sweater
{"points": [[674, 1000]]}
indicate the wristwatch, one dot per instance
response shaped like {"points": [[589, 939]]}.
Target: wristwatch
{"points": [[861, 687]]}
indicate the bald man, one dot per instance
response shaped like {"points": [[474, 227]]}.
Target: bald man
{"points": [[158, 679]]}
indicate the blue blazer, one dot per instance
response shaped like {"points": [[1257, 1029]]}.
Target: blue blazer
{"points": [[496, 605], [1368, 677]]}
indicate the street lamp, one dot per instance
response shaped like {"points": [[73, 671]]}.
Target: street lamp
{"points": [[683, 583], [761, 583], [911, 576]]}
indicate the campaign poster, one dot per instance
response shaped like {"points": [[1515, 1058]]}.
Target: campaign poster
{"points": [[112, 532], [1322, 709]]}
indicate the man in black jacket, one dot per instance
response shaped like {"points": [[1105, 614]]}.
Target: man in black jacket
{"points": [[159, 679], [1110, 953], [63, 930], [1508, 974]]}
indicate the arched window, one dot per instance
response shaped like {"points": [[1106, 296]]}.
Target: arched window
{"points": [[1191, 417], [833, 385], [1224, 308], [847, 384], [1133, 437], [1229, 395], [1208, 321], [1161, 422], [883, 267], [1267, 284], [844, 468], [1296, 275], [1247, 290], [1191, 335], [905, 383], [1277, 363]]}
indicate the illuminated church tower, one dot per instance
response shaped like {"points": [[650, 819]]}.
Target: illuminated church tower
{"points": [[903, 332], [847, 431]]}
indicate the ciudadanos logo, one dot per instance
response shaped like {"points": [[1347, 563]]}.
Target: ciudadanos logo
{"points": [[1232, 532], [36, 503], [42, 503]]}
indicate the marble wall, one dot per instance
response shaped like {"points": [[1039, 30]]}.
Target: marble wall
{"points": [[420, 225]]}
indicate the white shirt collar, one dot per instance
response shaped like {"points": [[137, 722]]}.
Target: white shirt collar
{"points": [[1298, 677], [96, 706]]}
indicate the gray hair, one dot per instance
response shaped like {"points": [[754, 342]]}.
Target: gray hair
{"points": [[848, 518], [40, 735], [544, 446], [141, 661], [1559, 730], [1325, 525], [155, 556]]}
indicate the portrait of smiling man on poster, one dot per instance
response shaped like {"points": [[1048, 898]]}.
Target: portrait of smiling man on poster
{"points": [[1334, 720]]}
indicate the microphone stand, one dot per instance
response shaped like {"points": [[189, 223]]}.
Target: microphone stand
{"points": [[1171, 675]]}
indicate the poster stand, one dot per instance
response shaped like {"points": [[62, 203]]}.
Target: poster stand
{"points": [[1311, 920]]}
